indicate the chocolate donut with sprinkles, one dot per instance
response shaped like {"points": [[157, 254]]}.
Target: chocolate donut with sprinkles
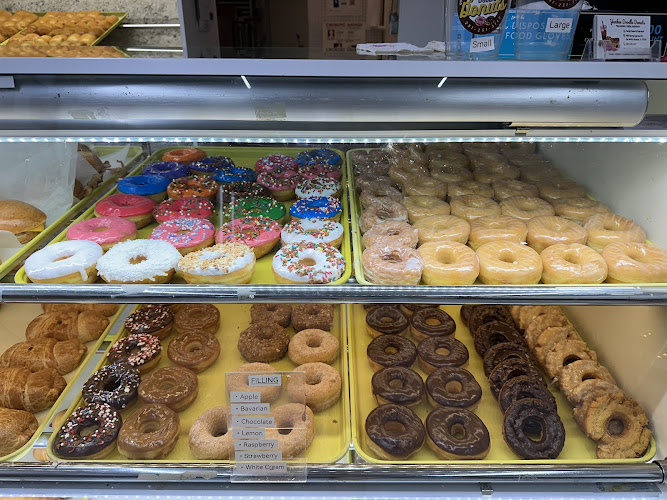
{"points": [[154, 319], [71, 443], [325, 207], [244, 189], [142, 351], [116, 385], [308, 263]]}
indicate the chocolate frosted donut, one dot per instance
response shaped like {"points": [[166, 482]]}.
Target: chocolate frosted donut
{"points": [[486, 314], [242, 189], [453, 387], [500, 352], [431, 322], [524, 387], [495, 332], [533, 430], [154, 319], [465, 313], [398, 385], [437, 352], [509, 369], [394, 431], [386, 320], [116, 385], [454, 433], [409, 309], [391, 350]]}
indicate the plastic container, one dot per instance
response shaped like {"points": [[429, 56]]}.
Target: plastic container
{"points": [[474, 28], [545, 29]]}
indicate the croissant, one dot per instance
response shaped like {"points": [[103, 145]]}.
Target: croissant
{"points": [[85, 326], [21, 389], [104, 309], [36, 355], [16, 429]]}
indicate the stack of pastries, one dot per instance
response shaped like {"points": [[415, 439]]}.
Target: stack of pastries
{"points": [[64, 28]]}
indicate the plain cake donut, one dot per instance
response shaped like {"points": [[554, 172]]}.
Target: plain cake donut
{"points": [[313, 345], [209, 436], [321, 386], [550, 230], [508, 263]]}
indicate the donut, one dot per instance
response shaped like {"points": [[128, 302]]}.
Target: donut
{"points": [[294, 428], [259, 233], [263, 342], [318, 187], [377, 193], [391, 233], [525, 207], [549, 338], [538, 326], [495, 332], [386, 320], [565, 353], [308, 263], [508, 188], [533, 430], [197, 317], [105, 231], [425, 186], [223, 263], [271, 313], [437, 228], [320, 171], [398, 385], [316, 230], [141, 351], [631, 262], [509, 369], [438, 352], [194, 350], [506, 262], [382, 211], [317, 156], [276, 162], [151, 186], [462, 188], [451, 386], [488, 173], [410, 309], [167, 169], [392, 265], [178, 208], [321, 386], [496, 228], [578, 209], [573, 375], [70, 443], [451, 173], [380, 354], [368, 181], [472, 206], [313, 346], [186, 235], [256, 207], [185, 155], [139, 261], [64, 262], [431, 322], [589, 391], [173, 386], [448, 263], [201, 186], [238, 381], [209, 437], [548, 230], [320, 316], [281, 186], [419, 207], [572, 263], [457, 434], [210, 165], [322, 207], [524, 387], [528, 313], [465, 311], [115, 385], [242, 189], [154, 319], [150, 433], [498, 353], [606, 228], [558, 189], [485, 314], [138, 209], [404, 437], [226, 175]]}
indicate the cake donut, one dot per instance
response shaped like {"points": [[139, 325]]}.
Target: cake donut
{"points": [[197, 317], [392, 265], [300, 423], [184, 155], [404, 352], [259, 233], [194, 350], [450, 386], [390, 233], [313, 346], [398, 385], [173, 386], [186, 235], [495, 332], [271, 313], [321, 386], [209, 436], [231, 174], [485, 314], [105, 231], [116, 385], [533, 416], [193, 185], [448, 263], [167, 169], [306, 316], [308, 263], [276, 162], [139, 261], [316, 230], [394, 441], [150, 433], [448, 442], [574, 378], [606, 228], [524, 387], [632, 262], [322, 207], [152, 186], [509, 369], [314, 156], [64, 262], [178, 208], [238, 381], [138, 209], [223, 263], [438, 352], [498, 353], [386, 320], [141, 351], [322, 186], [154, 319], [70, 442], [263, 342], [256, 207]]}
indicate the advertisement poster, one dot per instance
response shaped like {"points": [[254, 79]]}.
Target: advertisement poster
{"points": [[622, 36]]}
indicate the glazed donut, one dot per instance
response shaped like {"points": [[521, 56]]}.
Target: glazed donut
{"points": [[141, 351], [276, 162], [537, 172], [263, 342], [195, 208], [209, 436], [168, 169], [382, 211], [223, 263], [320, 316], [380, 355], [425, 186], [64, 262], [186, 155], [255, 207], [197, 317], [524, 387], [509, 369], [173, 386], [70, 442], [231, 174], [548, 230], [419, 207], [186, 235], [578, 209], [201, 186], [391, 233], [438, 352], [238, 381], [558, 189], [401, 171], [437, 228], [498, 353], [488, 173], [507, 188], [463, 188], [386, 320], [321, 386], [313, 346], [379, 193], [211, 164], [572, 263], [300, 423], [154, 319], [271, 313], [139, 261], [132, 207], [151, 433], [606, 228], [493, 333], [443, 148], [400, 440], [316, 230], [151, 186], [633, 262], [455, 387], [321, 186], [525, 207], [259, 233], [472, 206], [496, 228], [398, 385], [445, 158], [115, 385], [392, 265], [448, 263], [564, 353], [533, 416], [194, 350], [281, 186], [451, 173], [105, 231], [431, 322], [242, 189], [506, 262], [576, 373], [457, 434], [308, 263]]}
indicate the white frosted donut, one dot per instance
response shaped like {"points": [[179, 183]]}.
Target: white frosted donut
{"points": [[139, 261], [572, 263], [65, 262], [496, 228], [320, 186], [508, 263], [224, 263], [606, 228], [313, 230], [525, 207], [308, 263], [472, 206], [633, 262]]}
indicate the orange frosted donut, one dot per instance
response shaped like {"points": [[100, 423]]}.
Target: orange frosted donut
{"points": [[572, 263], [186, 155], [424, 206], [425, 186], [508, 263], [578, 209], [525, 207], [392, 265], [560, 188], [506, 188], [550, 230], [390, 233], [444, 160], [455, 189], [494, 172], [496, 228], [451, 173], [472, 206], [632, 262], [448, 263], [379, 192], [442, 228], [381, 211], [606, 228]]}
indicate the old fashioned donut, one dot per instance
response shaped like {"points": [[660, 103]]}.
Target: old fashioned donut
{"points": [[578, 209], [498, 353], [496, 228], [155, 319], [495, 332], [463, 188], [572, 263], [320, 316], [538, 326], [392, 265], [263, 342], [115, 385], [528, 313], [419, 207], [632, 262], [506, 262], [565, 353], [70, 442], [322, 386], [391, 233], [150, 433], [442, 228], [386, 320], [197, 317], [313, 346], [509, 369], [507, 188], [173, 386], [194, 350], [457, 434], [139, 262], [525, 207], [524, 387], [141, 351], [438, 352], [295, 428], [238, 381], [453, 387], [549, 338], [209, 437], [587, 393], [448, 263], [550, 230], [606, 228], [398, 385], [472, 206], [575, 374], [533, 430], [271, 313], [394, 432], [381, 211], [431, 322], [391, 350]]}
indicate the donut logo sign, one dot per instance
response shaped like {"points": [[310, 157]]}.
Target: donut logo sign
{"points": [[562, 4], [482, 16]]}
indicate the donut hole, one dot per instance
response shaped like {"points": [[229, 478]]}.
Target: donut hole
{"points": [[149, 427], [101, 229], [390, 350], [219, 430], [443, 351], [571, 359], [138, 259], [89, 429], [394, 427], [193, 347], [396, 383], [387, 319], [111, 385], [457, 431], [615, 425], [444, 257], [307, 262], [507, 256], [533, 428], [392, 257], [166, 385], [313, 343], [313, 378], [453, 387]]}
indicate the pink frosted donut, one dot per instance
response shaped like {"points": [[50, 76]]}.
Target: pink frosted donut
{"points": [[259, 233], [179, 208], [105, 231], [316, 170], [138, 209], [276, 163], [186, 235]]}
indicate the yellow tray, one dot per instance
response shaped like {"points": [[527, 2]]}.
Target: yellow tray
{"points": [[14, 318], [578, 448], [133, 154], [332, 426], [243, 157]]}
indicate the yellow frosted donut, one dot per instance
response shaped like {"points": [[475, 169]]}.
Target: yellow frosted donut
{"points": [[506, 188], [424, 206], [442, 228], [425, 186], [451, 173], [390, 233], [606, 228], [525, 207], [472, 206], [496, 228], [381, 211], [560, 188], [550, 230], [632, 262], [572, 263], [448, 263], [392, 265], [455, 189], [508, 263], [578, 209]]}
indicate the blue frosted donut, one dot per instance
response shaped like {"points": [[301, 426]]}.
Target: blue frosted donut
{"points": [[312, 156], [235, 174], [143, 185], [169, 169], [324, 207], [211, 164]]}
